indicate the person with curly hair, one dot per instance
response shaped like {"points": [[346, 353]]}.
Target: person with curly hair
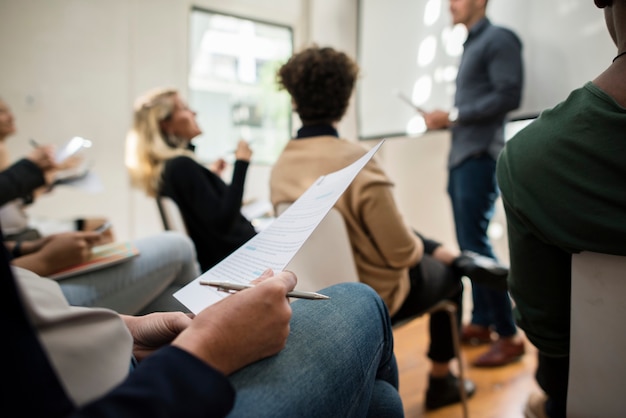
{"points": [[410, 272]]}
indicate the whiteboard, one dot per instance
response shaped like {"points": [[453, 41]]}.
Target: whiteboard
{"points": [[410, 46]]}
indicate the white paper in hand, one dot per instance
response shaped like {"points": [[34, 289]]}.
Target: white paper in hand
{"points": [[73, 146], [276, 245]]}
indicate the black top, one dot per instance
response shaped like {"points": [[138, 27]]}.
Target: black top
{"points": [[171, 382], [308, 131], [211, 209], [19, 180]]}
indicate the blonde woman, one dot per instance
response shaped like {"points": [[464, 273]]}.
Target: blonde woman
{"points": [[161, 163]]}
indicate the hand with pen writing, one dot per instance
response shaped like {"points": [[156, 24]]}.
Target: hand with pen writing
{"points": [[243, 328], [43, 157], [242, 153], [228, 335], [55, 252], [218, 166], [101, 225]]}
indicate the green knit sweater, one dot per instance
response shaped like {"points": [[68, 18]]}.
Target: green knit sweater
{"points": [[563, 183]]}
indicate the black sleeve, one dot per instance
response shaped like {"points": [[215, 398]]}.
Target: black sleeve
{"points": [[26, 367], [200, 193], [19, 180], [169, 383]]}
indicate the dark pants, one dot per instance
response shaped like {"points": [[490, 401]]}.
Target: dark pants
{"points": [[552, 375], [473, 191], [431, 282]]}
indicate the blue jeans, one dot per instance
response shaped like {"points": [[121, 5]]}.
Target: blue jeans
{"points": [[166, 262], [338, 362], [473, 191]]}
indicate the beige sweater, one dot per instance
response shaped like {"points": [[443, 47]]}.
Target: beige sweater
{"points": [[89, 348], [384, 246]]}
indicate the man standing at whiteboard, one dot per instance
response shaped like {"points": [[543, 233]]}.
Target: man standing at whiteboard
{"points": [[488, 86]]}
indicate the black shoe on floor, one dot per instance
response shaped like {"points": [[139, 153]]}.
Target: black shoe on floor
{"points": [[443, 391], [482, 269]]}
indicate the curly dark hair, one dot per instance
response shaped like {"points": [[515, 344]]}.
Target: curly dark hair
{"points": [[320, 82]]}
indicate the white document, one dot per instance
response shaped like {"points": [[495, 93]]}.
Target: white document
{"points": [[72, 147], [256, 209], [277, 244]]}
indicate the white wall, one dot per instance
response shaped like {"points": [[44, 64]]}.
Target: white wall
{"points": [[74, 67], [417, 165], [565, 44]]}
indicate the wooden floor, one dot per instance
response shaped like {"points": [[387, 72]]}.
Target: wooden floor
{"points": [[501, 392]]}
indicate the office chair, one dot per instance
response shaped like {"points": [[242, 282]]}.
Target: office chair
{"points": [[326, 257], [170, 215]]}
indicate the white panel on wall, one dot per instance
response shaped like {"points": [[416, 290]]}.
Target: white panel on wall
{"points": [[74, 67], [406, 45]]}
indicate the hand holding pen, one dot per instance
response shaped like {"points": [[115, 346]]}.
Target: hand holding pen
{"points": [[42, 156], [231, 287], [244, 327]]}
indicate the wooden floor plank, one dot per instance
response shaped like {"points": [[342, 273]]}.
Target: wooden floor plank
{"points": [[501, 392]]}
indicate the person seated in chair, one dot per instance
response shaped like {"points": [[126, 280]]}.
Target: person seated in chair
{"points": [[143, 284], [562, 183], [251, 354], [409, 271], [14, 217], [161, 163]]}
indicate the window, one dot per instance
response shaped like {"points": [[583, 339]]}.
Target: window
{"points": [[233, 64]]}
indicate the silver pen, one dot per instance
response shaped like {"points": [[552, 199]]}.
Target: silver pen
{"points": [[235, 287]]}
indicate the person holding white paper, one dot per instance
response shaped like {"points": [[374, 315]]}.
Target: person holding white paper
{"points": [[251, 354]]}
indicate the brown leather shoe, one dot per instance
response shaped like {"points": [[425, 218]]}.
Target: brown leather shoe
{"points": [[502, 352], [473, 334]]}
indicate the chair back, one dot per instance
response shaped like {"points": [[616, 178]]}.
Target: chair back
{"points": [[326, 258], [170, 215], [597, 370]]}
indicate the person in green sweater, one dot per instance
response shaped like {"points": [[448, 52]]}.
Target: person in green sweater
{"points": [[562, 184]]}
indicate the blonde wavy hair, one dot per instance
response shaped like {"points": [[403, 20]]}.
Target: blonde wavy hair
{"points": [[147, 146]]}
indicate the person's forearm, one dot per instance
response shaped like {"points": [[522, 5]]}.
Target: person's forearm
{"points": [[34, 263], [233, 198]]}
